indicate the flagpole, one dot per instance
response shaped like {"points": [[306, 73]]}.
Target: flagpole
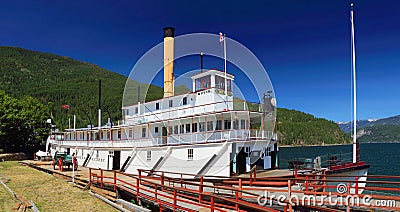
{"points": [[353, 63], [226, 85]]}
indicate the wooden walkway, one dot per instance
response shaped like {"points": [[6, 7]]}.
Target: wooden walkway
{"points": [[192, 193]]}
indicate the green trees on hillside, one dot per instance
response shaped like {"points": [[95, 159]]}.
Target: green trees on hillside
{"points": [[298, 128], [22, 123]]}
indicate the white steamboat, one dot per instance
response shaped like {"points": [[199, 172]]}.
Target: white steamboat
{"points": [[203, 132]]}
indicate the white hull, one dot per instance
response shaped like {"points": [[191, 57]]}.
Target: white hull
{"points": [[348, 176], [206, 159]]}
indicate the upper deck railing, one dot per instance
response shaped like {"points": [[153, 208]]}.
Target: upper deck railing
{"points": [[177, 139]]}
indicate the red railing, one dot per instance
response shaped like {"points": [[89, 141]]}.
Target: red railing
{"points": [[221, 194]]}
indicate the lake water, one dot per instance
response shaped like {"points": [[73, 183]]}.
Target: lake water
{"points": [[384, 158]]}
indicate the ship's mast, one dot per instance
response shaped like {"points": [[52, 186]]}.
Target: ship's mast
{"points": [[353, 67]]}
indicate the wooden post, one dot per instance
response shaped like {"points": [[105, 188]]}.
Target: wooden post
{"points": [[251, 176], [348, 188], [237, 200], [101, 174], [356, 191], [200, 188], [306, 184], [240, 188], [212, 203], [115, 180], [155, 191], [90, 175], [137, 189], [255, 173], [174, 200], [162, 181]]}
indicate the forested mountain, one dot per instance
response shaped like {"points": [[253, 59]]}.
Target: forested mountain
{"points": [[57, 80], [298, 128]]}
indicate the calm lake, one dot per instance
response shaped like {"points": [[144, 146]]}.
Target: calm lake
{"points": [[384, 158]]}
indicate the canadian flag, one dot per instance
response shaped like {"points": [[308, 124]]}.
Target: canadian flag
{"points": [[221, 38]]}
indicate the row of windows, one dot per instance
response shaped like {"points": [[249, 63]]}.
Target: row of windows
{"points": [[177, 129], [205, 126], [157, 106]]}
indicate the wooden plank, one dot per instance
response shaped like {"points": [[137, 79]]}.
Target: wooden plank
{"points": [[16, 206], [87, 186], [22, 208]]}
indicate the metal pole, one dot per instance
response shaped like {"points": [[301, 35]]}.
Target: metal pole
{"points": [[353, 63], [201, 61], [73, 170], [99, 121]]}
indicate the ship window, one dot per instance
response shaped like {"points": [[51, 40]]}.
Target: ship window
{"points": [[155, 129], [210, 126], [136, 110], [119, 134], [171, 103], [144, 132], [235, 124], [184, 101], [201, 127], [220, 83], [218, 125], [148, 155], [182, 129], [130, 133], [187, 128], [81, 136], [190, 154], [170, 131], [227, 124], [101, 135], [194, 127], [157, 106], [268, 151], [242, 124], [176, 129], [203, 83]]}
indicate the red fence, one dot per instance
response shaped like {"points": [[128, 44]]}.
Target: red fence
{"points": [[189, 193]]}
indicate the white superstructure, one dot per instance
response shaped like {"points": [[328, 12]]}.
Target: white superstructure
{"points": [[203, 132]]}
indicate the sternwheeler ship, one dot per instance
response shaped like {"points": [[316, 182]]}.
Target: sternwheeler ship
{"points": [[207, 131]]}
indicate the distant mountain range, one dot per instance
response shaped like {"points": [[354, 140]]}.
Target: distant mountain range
{"points": [[375, 130]]}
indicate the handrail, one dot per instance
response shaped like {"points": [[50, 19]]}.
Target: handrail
{"points": [[193, 190]]}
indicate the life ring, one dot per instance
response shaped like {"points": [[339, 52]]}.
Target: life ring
{"points": [[52, 137]]}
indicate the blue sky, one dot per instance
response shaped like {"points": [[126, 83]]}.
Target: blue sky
{"points": [[303, 45]]}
